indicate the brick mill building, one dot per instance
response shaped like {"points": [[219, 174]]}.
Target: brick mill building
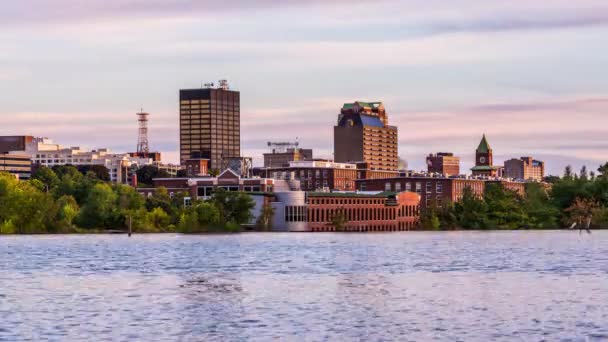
{"points": [[385, 211], [362, 134], [436, 191]]}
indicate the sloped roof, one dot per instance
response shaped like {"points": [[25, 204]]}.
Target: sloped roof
{"points": [[484, 147]]}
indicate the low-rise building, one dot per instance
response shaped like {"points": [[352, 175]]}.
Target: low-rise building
{"points": [[385, 211], [281, 158], [19, 165], [44, 152], [316, 175], [437, 191], [525, 168], [296, 210]]}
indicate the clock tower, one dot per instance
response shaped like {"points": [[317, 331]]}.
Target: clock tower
{"points": [[484, 160]]}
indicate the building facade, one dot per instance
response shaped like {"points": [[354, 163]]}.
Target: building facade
{"points": [[362, 134], [436, 191], [210, 125], [121, 166], [361, 212], [282, 158], [442, 163], [484, 160], [19, 165], [14, 143], [316, 175], [525, 168]]}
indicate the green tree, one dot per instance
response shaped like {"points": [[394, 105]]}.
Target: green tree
{"points": [[159, 219], [66, 213], [98, 171], [264, 221], [47, 177], [471, 212], [99, 208], [147, 173], [339, 220], [541, 213], [199, 218], [234, 207]]}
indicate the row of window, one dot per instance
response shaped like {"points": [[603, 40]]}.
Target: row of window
{"points": [[388, 186]]}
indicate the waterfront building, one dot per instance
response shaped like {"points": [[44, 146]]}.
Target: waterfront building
{"points": [[443, 163], [296, 210], [210, 124], [437, 191], [484, 160], [19, 165], [525, 168], [361, 212], [362, 134]]}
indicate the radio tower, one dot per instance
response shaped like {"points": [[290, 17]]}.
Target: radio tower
{"points": [[142, 139]]}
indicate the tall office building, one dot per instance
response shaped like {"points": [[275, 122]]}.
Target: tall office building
{"points": [[363, 135], [210, 125]]}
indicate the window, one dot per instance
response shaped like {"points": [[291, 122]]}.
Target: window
{"points": [[387, 186], [324, 173], [439, 188], [429, 187], [317, 173], [408, 186], [187, 201], [398, 187], [418, 187]]}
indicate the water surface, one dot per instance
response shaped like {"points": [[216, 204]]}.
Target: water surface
{"points": [[411, 286]]}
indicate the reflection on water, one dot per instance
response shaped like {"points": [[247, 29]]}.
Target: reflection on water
{"points": [[466, 286]]}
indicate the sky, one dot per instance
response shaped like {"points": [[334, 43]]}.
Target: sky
{"points": [[531, 75]]}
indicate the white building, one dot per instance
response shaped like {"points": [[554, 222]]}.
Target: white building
{"points": [[44, 152]]}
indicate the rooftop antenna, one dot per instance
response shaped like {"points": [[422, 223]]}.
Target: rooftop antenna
{"points": [[142, 138]]}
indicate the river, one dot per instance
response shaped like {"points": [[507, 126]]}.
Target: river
{"points": [[411, 286]]}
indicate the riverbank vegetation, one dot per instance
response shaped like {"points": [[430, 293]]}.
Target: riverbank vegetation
{"points": [[66, 200], [70, 200], [569, 199]]}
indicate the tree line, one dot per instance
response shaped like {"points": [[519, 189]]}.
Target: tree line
{"points": [[65, 199], [567, 200]]}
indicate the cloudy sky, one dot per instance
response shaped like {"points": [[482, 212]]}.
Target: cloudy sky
{"points": [[532, 75]]}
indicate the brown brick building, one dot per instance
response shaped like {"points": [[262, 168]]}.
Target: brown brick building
{"points": [[525, 168], [382, 212], [318, 174], [362, 134], [210, 125], [443, 163], [435, 191]]}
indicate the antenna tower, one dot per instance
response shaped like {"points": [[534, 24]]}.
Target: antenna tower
{"points": [[142, 139]]}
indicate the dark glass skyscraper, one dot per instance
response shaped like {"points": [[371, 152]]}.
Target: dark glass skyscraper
{"points": [[210, 124]]}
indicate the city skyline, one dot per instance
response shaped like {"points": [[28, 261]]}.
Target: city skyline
{"points": [[446, 76]]}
